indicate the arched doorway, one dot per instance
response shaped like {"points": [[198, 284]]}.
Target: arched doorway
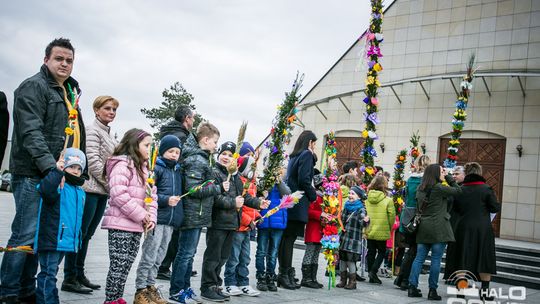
{"points": [[488, 152]]}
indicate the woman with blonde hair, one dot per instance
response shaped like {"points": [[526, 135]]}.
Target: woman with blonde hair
{"points": [[100, 145], [421, 163]]}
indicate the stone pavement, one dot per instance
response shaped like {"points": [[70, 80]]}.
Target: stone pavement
{"points": [[97, 264]]}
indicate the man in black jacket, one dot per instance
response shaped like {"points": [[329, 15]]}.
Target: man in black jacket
{"points": [[180, 127], [4, 125], [41, 108]]}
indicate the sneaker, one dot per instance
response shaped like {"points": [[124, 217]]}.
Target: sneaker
{"points": [[232, 290], [193, 296], [181, 298], [226, 297], [249, 291], [211, 295]]}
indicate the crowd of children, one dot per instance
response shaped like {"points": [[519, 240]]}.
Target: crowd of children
{"points": [[228, 206]]}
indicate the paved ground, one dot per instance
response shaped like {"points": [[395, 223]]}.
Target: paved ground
{"points": [[98, 263]]}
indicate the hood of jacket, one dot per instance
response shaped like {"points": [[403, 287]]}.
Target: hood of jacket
{"points": [[376, 196], [113, 160], [191, 148], [176, 128]]}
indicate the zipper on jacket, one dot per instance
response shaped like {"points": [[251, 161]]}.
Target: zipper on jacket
{"points": [[76, 241], [174, 193], [62, 232]]}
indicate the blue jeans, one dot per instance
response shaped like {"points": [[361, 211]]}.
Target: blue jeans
{"points": [[437, 250], [18, 270], [267, 248], [236, 269], [46, 280], [94, 206], [183, 263]]}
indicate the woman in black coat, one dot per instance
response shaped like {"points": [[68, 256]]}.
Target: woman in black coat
{"points": [[475, 240], [299, 178]]}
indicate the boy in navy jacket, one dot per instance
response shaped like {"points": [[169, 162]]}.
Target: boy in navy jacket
{"points": [[170, 215], [60, 217]]}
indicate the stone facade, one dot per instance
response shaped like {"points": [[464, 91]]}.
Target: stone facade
{"points": [[431, 38]]}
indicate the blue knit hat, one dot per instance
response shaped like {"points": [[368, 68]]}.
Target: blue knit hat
{"points": [[168, 142], [246, 148], [74, 156], [361, 193]]}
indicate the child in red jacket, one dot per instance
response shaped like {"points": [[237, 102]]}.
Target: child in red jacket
{"points": [[313, 236]]}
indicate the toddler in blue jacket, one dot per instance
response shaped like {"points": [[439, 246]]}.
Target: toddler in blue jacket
{"points": [[60, 217]]}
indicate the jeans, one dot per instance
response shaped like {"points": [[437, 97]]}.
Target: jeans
{"points": [[236, 269], [437, 250], [18, 270], [153, 250], [94, 206], [218, 249], [183, 263], [46, 291], [267, 248]]}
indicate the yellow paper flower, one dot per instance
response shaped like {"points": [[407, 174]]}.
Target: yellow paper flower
{"points": [[377, 82], [147, 200], [400, 201], [285, 132], [73, 112], [69, 131], [236, 155], [370, 171], [150, 180], [365, 134], [377, 67], [370, 80]]}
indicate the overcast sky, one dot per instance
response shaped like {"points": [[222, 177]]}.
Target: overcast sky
{"points": [[237, 58]]}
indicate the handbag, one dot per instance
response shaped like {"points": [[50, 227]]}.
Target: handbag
{"points": [[412, 217]]}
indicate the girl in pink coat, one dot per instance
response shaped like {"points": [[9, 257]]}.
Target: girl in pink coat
{"points": [[127, 217]]}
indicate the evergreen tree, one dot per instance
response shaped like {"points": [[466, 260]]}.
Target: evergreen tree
{"points": [[174, 97]]}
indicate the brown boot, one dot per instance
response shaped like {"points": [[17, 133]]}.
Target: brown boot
{"points": [[155, 295], [343, 279], [352, 281], [142, 297]]}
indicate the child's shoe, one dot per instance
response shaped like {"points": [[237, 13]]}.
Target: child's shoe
{"points": [[193, 296], [211, 295], [232, 290], [261, 282], [142, 297], [155, 295], [181, 298], [271, 282], [249, 291]]}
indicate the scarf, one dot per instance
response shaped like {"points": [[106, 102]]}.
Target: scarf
{"points": [[353, 206], [75, 139], [74, 180]]}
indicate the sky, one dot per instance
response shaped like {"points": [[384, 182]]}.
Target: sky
{"points": [[236, 57]]}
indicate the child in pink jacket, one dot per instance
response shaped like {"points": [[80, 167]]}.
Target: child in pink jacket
{"points": [[127, 216]]}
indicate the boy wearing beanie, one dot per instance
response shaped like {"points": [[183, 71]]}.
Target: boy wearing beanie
{"points": [[168, 180], [226, 215], [59, 220], [236, 269]]}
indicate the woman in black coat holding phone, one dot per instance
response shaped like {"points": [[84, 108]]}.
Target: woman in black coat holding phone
{"points": [[299, 178]]}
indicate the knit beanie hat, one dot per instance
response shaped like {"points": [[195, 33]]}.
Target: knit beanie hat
{"points": [[361, 193], [227, 146], [74, 156], [246, 148], [245, 164], [168, 142]]}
